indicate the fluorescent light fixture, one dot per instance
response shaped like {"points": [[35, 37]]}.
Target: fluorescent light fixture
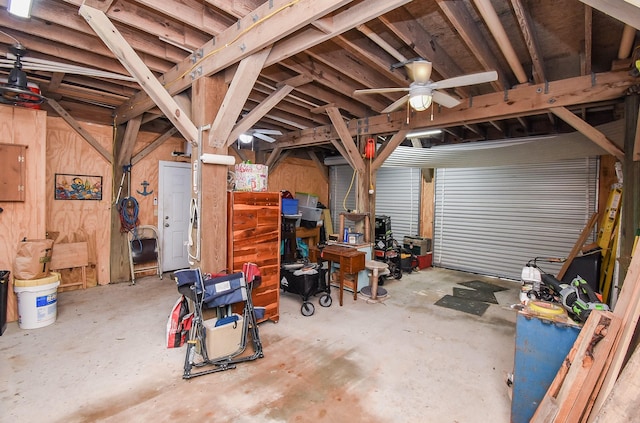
{"points": [[423, 133], [21, 8], [245, 138]]}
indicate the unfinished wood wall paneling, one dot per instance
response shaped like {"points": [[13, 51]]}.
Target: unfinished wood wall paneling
{"points": [[23, 219], [299, 175], [81, 220], [147, 170]]}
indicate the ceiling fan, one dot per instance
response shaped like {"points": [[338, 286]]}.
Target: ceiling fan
{"points": [[423, 91], [263, 134], [16, 90]]}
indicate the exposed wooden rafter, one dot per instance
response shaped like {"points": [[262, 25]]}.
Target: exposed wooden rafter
{"points": [[80, 130], [525, 100], [347, 141], [245, 77], [589, 131], [461, 19], [495, 26], [528, 32], [128, 57]]}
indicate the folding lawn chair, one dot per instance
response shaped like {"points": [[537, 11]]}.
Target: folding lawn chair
{"points": [[219, 341]]}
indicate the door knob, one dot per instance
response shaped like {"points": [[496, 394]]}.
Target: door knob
{"points": [[166, 225]]}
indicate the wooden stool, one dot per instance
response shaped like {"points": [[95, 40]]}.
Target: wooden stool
{"points": [[373, 290]]}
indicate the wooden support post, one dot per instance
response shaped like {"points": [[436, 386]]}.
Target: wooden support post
{"points": [[208, 95]]}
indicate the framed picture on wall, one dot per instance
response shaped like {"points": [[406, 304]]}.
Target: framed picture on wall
{"points": [[77, 187]]}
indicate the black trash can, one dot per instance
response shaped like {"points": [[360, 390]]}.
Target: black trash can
{"points": [[4, 290]]}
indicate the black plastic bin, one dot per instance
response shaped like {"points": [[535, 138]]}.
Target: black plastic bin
{"points": [[4, 290]]}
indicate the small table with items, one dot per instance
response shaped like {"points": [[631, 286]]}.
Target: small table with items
{"points": [[350, 259]]}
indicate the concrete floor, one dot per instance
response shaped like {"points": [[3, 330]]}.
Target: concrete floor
{"points": [[400, 360]]}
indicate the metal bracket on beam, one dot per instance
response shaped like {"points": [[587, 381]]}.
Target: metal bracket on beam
{"points": [[366, 127], [593, 79], [470, 101], [506, 94], [196, 72], [197, 55]]}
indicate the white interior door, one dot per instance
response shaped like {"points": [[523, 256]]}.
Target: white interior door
{"points": [[173, 213]]}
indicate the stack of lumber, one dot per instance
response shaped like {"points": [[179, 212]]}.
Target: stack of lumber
{"points": [[586, 388]]}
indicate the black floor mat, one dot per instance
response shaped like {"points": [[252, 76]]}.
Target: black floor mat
{"points": [[463, 304], [476, 295], [483, 286], [475, 300]]}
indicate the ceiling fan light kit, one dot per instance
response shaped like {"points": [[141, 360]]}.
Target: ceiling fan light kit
{"points": [[420, 97], [419, 70], [16, 90], [423, 91], [245, 138], [21, 8]]}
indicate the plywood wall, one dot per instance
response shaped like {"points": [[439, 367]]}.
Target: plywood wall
{"points": [[299, 175], [147, 170], [80, 220], [23, 219]]}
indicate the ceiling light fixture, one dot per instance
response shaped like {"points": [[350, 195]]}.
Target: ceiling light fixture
{"points": [[245, 138], [420, 97], [20, 8], [423, 133]]}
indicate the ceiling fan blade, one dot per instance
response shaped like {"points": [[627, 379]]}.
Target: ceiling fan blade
{"points": [[263, 137], [444, 99], [397, 105], [379, 90], [419, 71], [34, 64], [461, 81], [268, 131]]}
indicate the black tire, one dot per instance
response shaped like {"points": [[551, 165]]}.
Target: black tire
{"points": [[397, 272], [307, 309], [325, 300]]}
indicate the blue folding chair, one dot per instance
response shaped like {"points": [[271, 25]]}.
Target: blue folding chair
{"points": [[218, 293]]}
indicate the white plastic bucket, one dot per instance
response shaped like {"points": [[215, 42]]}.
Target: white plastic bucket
{"points": [[37, 301]]}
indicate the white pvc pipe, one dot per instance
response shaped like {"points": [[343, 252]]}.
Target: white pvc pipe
{"points": [[218, 159]]}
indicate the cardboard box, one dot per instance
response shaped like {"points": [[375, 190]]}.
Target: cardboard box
{"points": [[223, 340]]}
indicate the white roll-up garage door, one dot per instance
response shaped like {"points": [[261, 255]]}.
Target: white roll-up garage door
{"points": [[492, 220], [397, 196]]}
